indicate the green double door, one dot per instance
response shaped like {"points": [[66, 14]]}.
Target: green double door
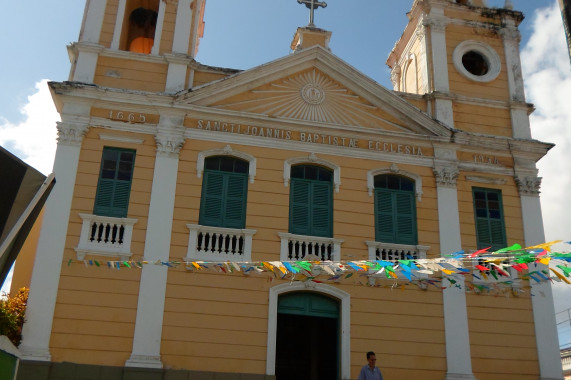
{"points": [[307, 341]]}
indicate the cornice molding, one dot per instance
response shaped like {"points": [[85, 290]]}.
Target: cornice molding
{"points": [[486, 180]]}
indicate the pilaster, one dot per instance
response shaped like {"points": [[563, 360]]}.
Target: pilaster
{"points": [[458, 357], [511, 38], [152, 287], [93, 21], [542, 302], [436, 23], [51, 244]]}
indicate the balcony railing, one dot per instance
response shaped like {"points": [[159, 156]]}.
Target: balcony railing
{"points": [[309, 248], [393, 252], [105, 236], [207, 243]]}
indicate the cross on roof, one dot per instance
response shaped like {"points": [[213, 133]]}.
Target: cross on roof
{"points": [[312, 5]]}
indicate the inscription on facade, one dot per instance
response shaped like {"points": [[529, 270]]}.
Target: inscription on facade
{"points": [[483, 159], [131, 117], [309, 137]]}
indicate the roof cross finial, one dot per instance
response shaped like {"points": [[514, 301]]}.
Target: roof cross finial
{"points": [[312, 5]]}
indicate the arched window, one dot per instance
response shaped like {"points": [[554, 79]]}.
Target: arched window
{"points": [[311, 201], [137, 21], [395, 209], [224, 192]]}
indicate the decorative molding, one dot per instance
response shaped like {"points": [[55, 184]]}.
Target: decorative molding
{"points": [[395, 77], [70, 133], [124, 139], [489, 180], [226, 151], [394, 169], [490, 55], [528, 185], [437, 25], [446, 176], [310, 96], [312, 158], [170, 136]]}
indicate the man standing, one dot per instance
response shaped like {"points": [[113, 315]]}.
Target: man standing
{"points": [[370, 371]]}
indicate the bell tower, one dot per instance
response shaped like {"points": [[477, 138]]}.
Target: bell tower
{"points": [[146, 45], [465, 58]]}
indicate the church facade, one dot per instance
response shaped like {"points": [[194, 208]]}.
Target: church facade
{"points": [[163, 160]]}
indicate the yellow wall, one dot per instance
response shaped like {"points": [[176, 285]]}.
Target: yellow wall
{"points": [[96, 307]]}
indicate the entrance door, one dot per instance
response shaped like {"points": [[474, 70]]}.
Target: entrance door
{"points": [[307, 341]]}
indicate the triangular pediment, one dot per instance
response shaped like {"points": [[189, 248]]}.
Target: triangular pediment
{"points": [[314, 87]]}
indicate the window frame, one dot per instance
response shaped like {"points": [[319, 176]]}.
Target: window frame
{"points": [[480, 244], [113, 211], [314, 187], [231, 180], [396, 197]]}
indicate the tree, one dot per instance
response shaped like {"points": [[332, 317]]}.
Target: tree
{"points": [[12, 312]]}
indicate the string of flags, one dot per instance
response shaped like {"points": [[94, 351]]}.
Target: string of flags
{"points": [[479, 271]]}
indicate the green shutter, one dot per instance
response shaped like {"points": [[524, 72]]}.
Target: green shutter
{"points": [[311, 208], [212, 199], [321, 209], [300, 207], [235, 207], [405, 218], [115, 178], [224, 199], [384, 215], [489, 218], [395, 214]]}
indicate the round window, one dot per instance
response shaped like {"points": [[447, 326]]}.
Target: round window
{"points": [[477, 61]]}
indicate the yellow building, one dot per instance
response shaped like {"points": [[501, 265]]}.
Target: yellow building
{"points": [[163, 159]]}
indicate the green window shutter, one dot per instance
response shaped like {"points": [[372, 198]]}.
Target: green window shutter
{"points": [[405, 218], [236, 193], [384, 215], [114, 186], [212, 199], [311, 201], [395, 210], [322, 209], [489, 218], [224, 193], [300, 207]]}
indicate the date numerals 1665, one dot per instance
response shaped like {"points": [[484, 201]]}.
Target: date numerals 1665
{"points": [[127, 116]]}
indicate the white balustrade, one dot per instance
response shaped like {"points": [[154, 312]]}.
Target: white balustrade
{"points": [[393, 252], [206, 243], [309, 248], [105, 236]]}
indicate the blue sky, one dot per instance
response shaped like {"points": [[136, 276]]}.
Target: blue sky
{"points": [[246, 33]]}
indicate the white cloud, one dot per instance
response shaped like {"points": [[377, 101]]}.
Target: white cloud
{"points": [[547, 75], [33, 139]]}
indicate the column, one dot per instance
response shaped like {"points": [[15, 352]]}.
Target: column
{"points": [[152, 287], [179, 61], [542, 303], [437, 23], [520, 120], [88, 47], [458, 357], [51, 244]]}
